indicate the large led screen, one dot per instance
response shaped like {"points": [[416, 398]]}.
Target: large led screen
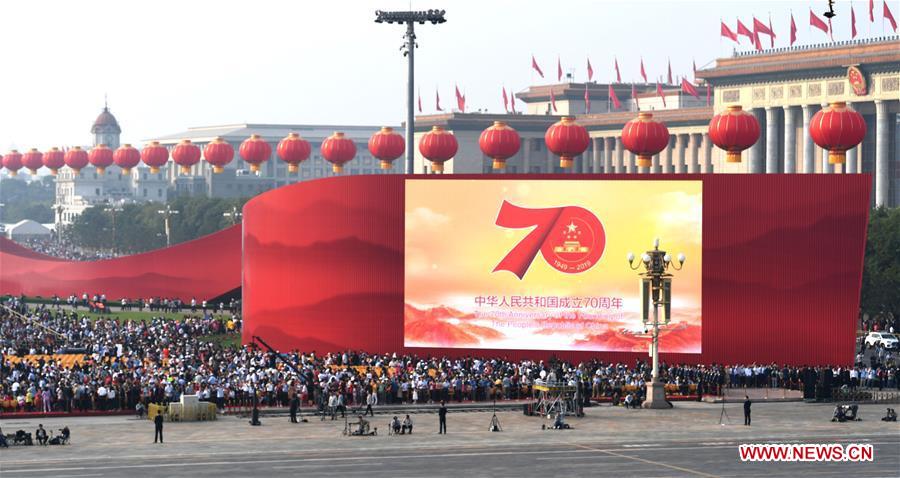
{"points": [[542, 264]]}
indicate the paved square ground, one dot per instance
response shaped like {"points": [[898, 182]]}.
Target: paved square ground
{"points": [[686, 441]]}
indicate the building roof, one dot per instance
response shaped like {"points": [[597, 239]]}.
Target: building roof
{"points": [[882, 53], [575, 91], [27, 227], [106, 122], [270, 132]]}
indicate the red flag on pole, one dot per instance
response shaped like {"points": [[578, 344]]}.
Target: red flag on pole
{"points": [[420, 101], [793, 30], [756, 42], [614, 99], [637, 104], [707, 94], [694, 64], [761, 27], [688, 88], [437, 100], [772, 34], [743, 30], [830, 29], [536, 67], [872, 11], [727, 33], [817, 22], [512, 102], [670, 70], [852, 22], [886, 12], [587, 100], [558, 69], [460, 100], [552, 100], [643, 73], [659, 91], [618, 75], [590, 70], [505, 101]]}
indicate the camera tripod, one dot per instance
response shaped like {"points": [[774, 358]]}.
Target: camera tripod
{"points": [[495, 420], [723, 415]]}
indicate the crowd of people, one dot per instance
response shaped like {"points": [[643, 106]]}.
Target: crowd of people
{"points": [[65, 250], [127, 362]]}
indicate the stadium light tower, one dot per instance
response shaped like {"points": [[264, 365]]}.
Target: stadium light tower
{"points": [[234, 215], [167, 213], [409, 47], [656, 291]]}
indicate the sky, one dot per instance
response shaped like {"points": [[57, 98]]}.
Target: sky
{"points": [[166, 65]]}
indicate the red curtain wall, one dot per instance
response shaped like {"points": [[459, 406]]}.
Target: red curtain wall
{"points": [[782, 267]]}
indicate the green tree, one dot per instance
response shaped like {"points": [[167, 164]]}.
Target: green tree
{"points": [[27, 199], [881, 270]]}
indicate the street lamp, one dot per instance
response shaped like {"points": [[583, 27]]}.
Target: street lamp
{"points": [[656, 291], [410, 19], [112, 210], [235, 215], [167, 213], [60, 209]]}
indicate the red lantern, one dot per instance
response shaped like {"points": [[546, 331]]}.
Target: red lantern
{"points": [[255, 151], [33, 160], [386, 145], [218, 153], [12, 161], [76, 158], [734, 130], [837, 128], [101, 157], [54, 159], [645, 137], [438, 146], [338, 150], [155, 156], [499, 142], [566, 139], [186, 154], [127, 157], [293, 150]]}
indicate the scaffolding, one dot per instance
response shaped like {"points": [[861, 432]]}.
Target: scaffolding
{"points": [[554, 398]]}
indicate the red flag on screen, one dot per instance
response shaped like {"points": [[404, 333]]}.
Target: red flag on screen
{"points": [[558, 70], [889, 16], [643, 73], [793, 30], [670, 70], [536, 67], [614, 99], [659, 91], [688, 88], [590, 70], [852, 22], [460, 100], [552, 100], [587, 99], [727, 33], [505, 101], [637, 104], [743, 30], [437, 100], [618, 75], [817, 22]]}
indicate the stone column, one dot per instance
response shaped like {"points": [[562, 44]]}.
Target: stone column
{"points": [[827, 168], [882, 154], [608, 155], [679, 153], [552, 161], [598, 151], [707, 154], [629, 162], [620, 155], [772, 128], [693, 156], [757, 152], [790, 141], [526, 154], [666, 156], [809, 148]]}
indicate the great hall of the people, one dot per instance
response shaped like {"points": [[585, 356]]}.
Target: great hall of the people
{"points": [[782, 87]]}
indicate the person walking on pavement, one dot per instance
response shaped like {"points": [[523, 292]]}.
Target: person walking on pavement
{"points": [[747, 410], [442, 417], [371, 400], [158, 423], [295, 404]]}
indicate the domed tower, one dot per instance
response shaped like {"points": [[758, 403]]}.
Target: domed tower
{"points": [[106, 129]]}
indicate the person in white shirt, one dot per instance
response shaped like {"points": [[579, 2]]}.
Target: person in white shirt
{"points": [[371, 400]]}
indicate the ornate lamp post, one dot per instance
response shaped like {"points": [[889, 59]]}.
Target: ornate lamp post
{"points": [[113, 210], [167, 213], [234, 215], [656, 291]]}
